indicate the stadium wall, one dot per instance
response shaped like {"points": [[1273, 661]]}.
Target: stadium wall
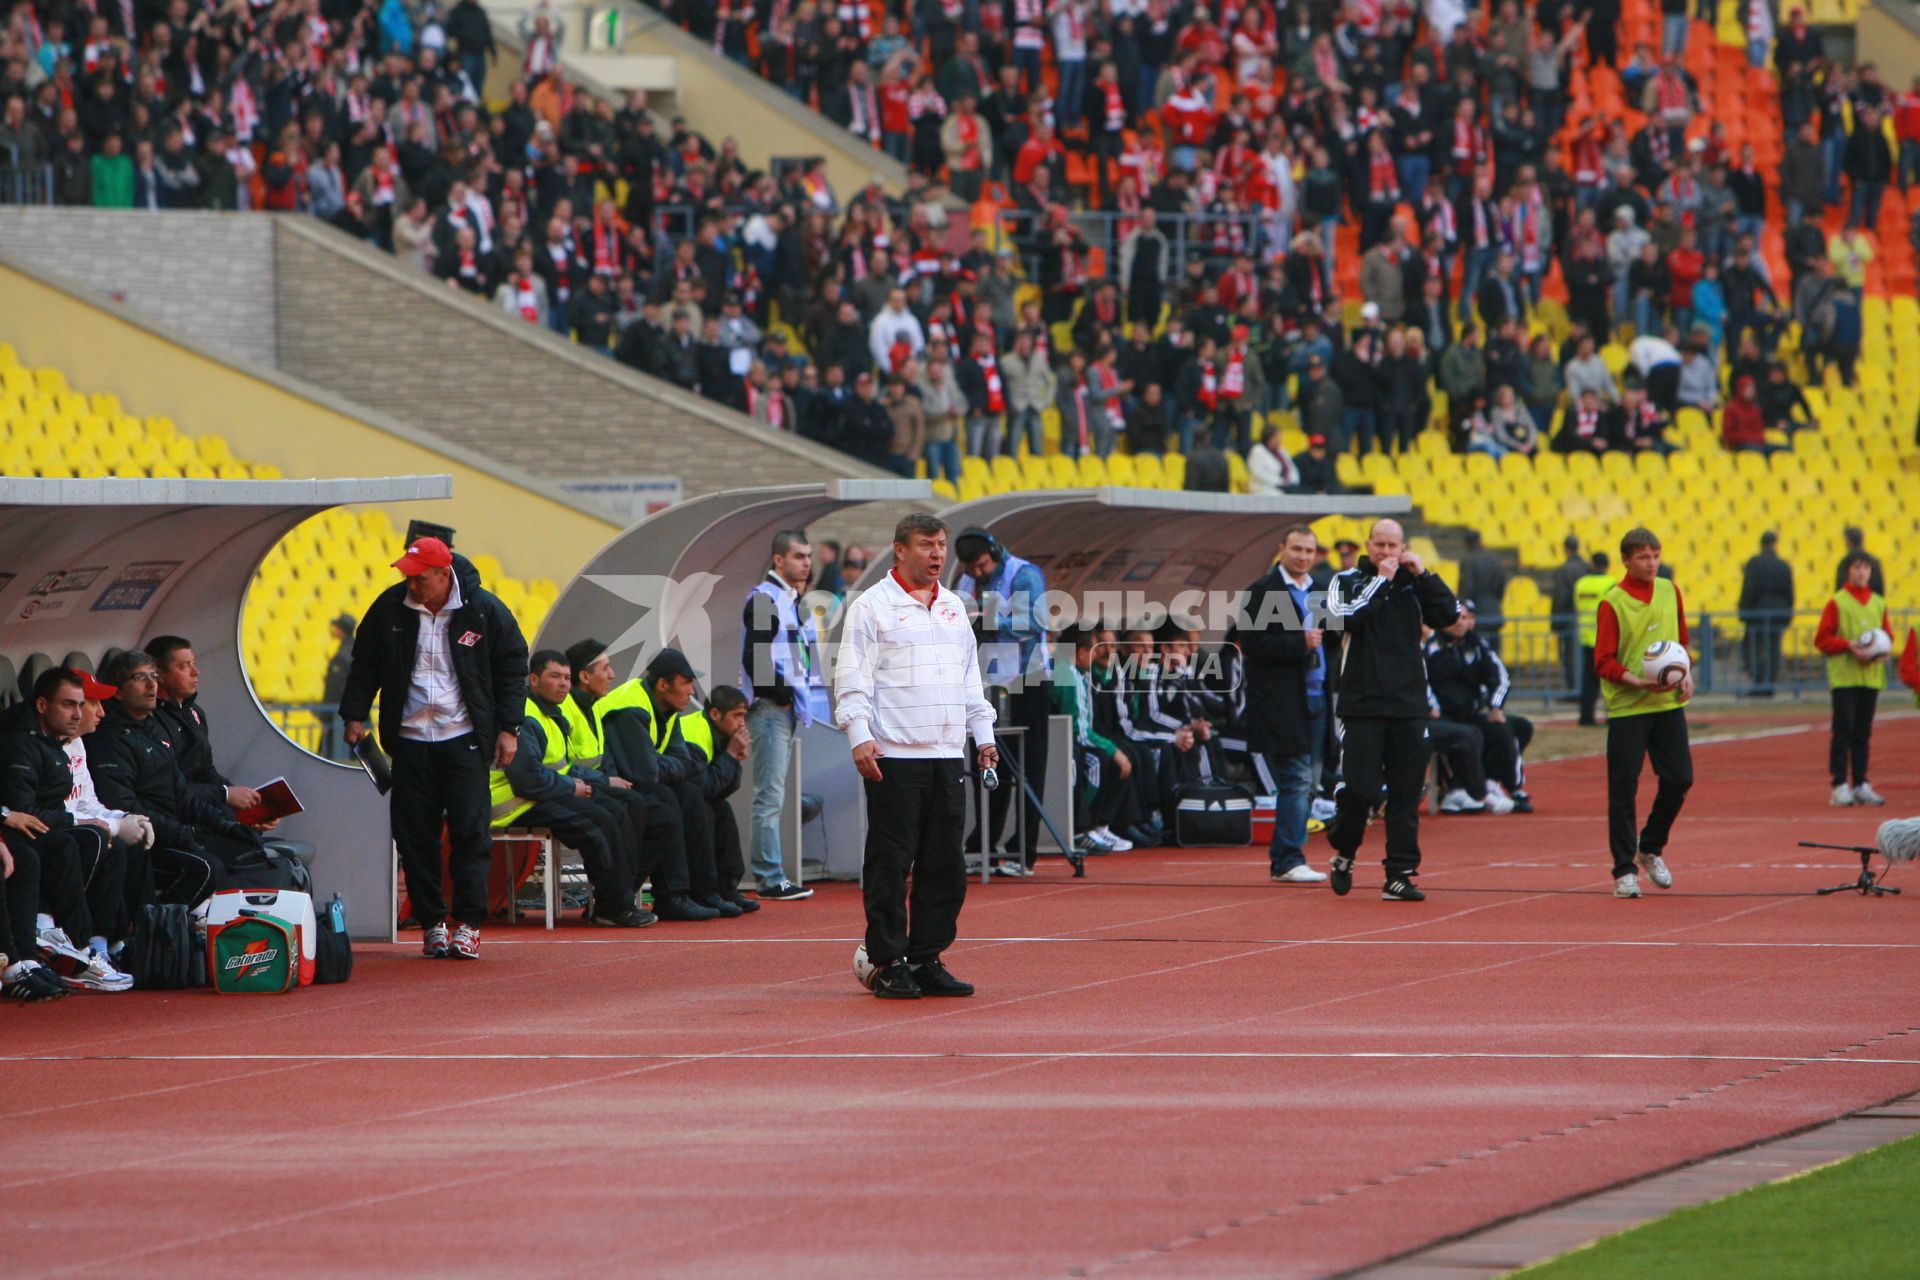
{"points": [[354, 320], [207, 275], [266, 416]]}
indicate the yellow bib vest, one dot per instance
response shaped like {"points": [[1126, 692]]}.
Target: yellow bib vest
{"points": [[697, 729], [1587, 594], [586, 741], [1844, 671], [1641, 626], [508, 806]]}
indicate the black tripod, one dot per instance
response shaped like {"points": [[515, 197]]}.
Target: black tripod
{"points": [[1075, 859], [1868, 883]]}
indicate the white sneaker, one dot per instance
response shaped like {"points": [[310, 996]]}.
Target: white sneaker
{"points": [[1090, 842], [1626, 886], [1119, 844], [1302, 874], [1011, 869], [1656, 868], [1322, 809], [1458, 801], [1497, 800], [1865, 794], [1842, 796], [97, 975], [55, 942]]}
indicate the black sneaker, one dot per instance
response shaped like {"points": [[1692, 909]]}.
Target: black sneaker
{"points": [[613, 917], [747, 905], [895, 982], [934, 980], [677, 907], [1522, 802], [785, 891], [1340, 874], [1401, 889], [724, 906]]}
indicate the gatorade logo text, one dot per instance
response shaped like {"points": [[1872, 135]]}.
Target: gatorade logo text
{"points": [[258, 954]]}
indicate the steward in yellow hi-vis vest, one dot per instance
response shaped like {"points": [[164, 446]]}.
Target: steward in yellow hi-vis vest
{"points": [[551, 785], [716, 736], [1856, 673], [1646, 721]]}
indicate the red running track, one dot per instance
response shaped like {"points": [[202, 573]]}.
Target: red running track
{"points": [[1174, 1068]]}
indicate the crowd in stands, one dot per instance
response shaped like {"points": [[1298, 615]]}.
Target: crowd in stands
{"points": [[1222, 149], [1169, 186]]}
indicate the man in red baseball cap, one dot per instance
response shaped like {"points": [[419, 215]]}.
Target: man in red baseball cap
{"points": [[449, 664]]}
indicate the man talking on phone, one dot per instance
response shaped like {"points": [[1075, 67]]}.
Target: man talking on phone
{"points": [[907, 692]]}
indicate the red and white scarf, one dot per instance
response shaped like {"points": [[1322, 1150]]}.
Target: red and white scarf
{"points": [[996, 391], [1233, 383]]}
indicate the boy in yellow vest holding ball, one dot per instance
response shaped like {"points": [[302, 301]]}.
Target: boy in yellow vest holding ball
{"points": [[1645, 720], [1855, 675]]}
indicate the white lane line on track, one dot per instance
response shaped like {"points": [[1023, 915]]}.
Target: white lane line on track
{"points": [[1224, 942], [1026, 1055]]}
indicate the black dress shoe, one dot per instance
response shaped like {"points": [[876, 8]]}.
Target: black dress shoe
{"points": [[1142, 838], [677, 907], [747, 905], [934, 980], [723, 906], [895, 982]]}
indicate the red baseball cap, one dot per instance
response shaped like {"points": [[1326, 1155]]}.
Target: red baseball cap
{"points": [[93, 691], [425, 553]]}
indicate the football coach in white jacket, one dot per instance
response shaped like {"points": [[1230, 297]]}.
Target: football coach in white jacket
{"points": [[907, 691]]}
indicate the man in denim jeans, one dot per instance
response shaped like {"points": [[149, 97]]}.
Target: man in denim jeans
{"points": [[1285, 669], [779, 666]]}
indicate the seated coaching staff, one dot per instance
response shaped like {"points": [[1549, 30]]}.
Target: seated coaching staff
{"points": [[907, 692]]}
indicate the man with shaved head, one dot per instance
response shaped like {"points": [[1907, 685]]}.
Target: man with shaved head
{"points": [[1376, 609]]}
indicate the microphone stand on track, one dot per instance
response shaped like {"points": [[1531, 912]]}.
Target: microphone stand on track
{"points": [[1868, 883]]}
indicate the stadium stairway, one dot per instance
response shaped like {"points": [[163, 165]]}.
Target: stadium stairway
{"points": [[359, 325]]}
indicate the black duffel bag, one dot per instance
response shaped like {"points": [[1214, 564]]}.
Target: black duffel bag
{"points": [[1213, 815]]}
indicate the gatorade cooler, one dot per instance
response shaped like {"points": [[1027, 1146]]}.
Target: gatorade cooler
{"points": [[293, 908], [253, 955]]}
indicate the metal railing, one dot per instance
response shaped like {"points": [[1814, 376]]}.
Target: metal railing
{"points": [[30, 184], [1211, 235], [1774, 655]]}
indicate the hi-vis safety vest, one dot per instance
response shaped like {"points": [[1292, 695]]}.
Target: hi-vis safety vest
{"points": [[626, 697], [697, 730], [1587, 594], [508, 806], [586, 740]]}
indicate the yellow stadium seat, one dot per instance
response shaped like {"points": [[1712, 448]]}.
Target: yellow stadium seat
{"points": [[1147, 472], [1120, 471], [1237, 478], [1093, 472]]}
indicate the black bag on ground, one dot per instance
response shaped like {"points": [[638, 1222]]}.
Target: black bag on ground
{"points": [[160, 955], [1213, 815], [261, 868], [333, 951]]}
